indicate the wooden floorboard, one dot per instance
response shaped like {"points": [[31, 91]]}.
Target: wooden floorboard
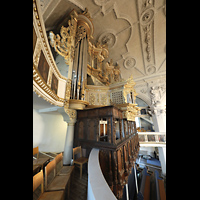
{"points": [[78, 187]]}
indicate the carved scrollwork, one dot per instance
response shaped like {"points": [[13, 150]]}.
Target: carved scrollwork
{"points": [[80, 34], [71, 113], [64, 45]]}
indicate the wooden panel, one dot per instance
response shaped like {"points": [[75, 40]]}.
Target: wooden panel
{"points": [[119, 160], [80, 130], [101, 130], [43, 67], [81, 114], [147, 188], [91, 129], [105, 111], [161, 189], [104, 163], [106, 129], [54, 84], [92, 113]]}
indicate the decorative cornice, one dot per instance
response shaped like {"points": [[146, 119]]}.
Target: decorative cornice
{"points": [[42, 89], [38, 24]]}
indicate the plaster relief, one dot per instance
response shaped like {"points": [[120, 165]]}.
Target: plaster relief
{"points": [[109, 39], [129, 62]]}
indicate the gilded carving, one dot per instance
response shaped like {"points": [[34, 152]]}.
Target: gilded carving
{"points": [[64, 45], [37, 51], [103, 99], [81, 33], [71, 113], [92, 98], [67, 93], [87, 14]]}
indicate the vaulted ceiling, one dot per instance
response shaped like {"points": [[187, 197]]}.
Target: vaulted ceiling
{"points": [[135, 31]]}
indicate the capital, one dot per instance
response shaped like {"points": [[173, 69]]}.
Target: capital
{"points": [[69, 115]]}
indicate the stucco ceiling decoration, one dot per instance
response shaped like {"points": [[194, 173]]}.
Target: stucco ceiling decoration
{"points": [[135, 31], [146, 13]]}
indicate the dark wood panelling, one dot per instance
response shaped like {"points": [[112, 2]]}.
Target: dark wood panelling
{"points": [[54, 84], [43, 67], [116, 156]]}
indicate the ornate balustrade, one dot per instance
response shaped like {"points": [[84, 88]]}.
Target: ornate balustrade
{"points": [[152, 138], [47, 80]]}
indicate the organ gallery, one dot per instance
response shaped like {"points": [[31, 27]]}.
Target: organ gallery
{"points": [[97, 104]]}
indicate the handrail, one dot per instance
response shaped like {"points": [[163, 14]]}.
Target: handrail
{"points": [[151, 133], [42, 51], [149, 137], [98, 188]]}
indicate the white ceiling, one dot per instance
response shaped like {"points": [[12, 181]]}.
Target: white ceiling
{"points": [[134, 29]]}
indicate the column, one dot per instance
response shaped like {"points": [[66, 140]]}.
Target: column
{"points": [[69, 115], [159, 121], [158, 111], [162, 157], [159, 118]]}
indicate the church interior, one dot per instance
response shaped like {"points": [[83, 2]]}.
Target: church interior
{"points": [[99, 99]]}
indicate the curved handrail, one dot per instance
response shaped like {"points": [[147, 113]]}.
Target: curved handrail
{"points": [[98, 188], [42, 51]]}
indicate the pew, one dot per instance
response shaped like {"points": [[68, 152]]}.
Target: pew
{"points": [[58, 182], [42, 162], [64, 170], [160, 190], [144, 193], [38, 180]]}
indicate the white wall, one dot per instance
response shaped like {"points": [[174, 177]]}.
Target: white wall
{"points": [[49, 131], [147, 151]]}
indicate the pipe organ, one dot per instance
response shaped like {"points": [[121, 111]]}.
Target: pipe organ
{"points": [[106, 119]]}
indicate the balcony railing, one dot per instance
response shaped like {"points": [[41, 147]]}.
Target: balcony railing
{"points": [[152, 137], [97, 190]]}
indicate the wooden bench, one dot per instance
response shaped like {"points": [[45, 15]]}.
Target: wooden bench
{"points": [[147, 188], [36, 169], [58, 182], [38, 180], [64, 170], [144, 193], [160, 190], [39, 161]]}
